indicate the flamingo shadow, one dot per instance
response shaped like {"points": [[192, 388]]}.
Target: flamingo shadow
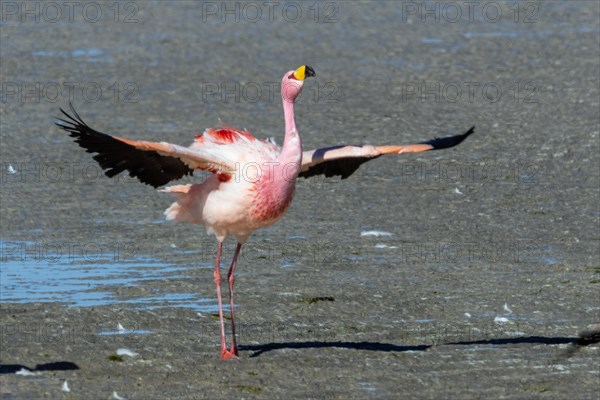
{"points": [[518, 340], [53, 366], [372, 346], [389, 347]]}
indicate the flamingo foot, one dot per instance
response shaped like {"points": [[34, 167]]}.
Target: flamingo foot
{"points": [[229, 354]]}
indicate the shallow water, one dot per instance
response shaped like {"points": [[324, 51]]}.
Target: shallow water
{"points": [[34, 272]]}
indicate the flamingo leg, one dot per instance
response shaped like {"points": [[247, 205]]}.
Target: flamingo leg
{"points": [[225, 354], [231, 279]]}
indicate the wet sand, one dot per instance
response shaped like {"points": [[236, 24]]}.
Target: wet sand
{"points": [[487, 273]]}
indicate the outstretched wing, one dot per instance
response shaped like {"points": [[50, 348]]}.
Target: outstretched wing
{"points": [[152, 163], [344, 160]]}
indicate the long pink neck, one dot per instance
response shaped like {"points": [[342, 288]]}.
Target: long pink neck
{"points": [[278, 185], [291, 153]]}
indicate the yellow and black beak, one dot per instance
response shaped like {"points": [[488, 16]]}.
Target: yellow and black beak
{"points": [[302, 73]]}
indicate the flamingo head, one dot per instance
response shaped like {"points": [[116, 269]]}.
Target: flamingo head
{"points": [[292, 82]]}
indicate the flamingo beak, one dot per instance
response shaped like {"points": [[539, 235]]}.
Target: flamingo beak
{"points": [[309, 71], [302, 73]]}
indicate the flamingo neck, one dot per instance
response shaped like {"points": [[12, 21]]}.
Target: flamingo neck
{"points": [[292, 144]]}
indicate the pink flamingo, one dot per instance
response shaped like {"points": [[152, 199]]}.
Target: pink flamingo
{"points": [[252, 182]]}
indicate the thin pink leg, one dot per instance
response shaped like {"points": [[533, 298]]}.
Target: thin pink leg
{"points": [[231, 279], [225, 354]]}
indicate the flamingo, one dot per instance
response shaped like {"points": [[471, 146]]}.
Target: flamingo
{"points": [[233, 201]]}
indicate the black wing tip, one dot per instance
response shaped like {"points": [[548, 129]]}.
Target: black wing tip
{"points": [[115, 156], [73, 122], [346, 167], [469, 132], [449, 141], [466, 134]]}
